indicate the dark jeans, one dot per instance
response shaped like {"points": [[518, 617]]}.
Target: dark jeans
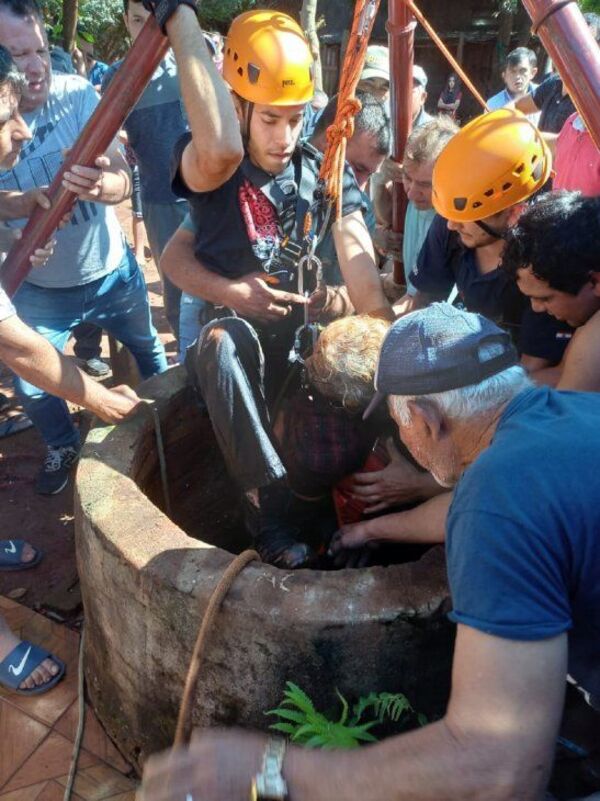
{"points": [[228, 369], [88, 341]]}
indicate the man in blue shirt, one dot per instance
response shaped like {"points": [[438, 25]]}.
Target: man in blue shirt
{"points": [[519, 71]]}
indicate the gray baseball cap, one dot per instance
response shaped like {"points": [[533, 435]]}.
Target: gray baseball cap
{"points": [[437, 349]]}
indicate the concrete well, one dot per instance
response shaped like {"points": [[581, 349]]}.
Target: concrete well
{"points": [[146, 583]]}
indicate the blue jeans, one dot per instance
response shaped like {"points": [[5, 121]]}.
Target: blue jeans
{"points": [[189, 322], [118, 303]]}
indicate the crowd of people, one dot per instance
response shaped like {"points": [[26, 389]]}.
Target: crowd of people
{"points": [[353, 409]]}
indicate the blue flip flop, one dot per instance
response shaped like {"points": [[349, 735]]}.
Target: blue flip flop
{"points": [[11, 552], [21, 662]]}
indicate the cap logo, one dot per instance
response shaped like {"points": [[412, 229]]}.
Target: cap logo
{"points": [[288, 83]]}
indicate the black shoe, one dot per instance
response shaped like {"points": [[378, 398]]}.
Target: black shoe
{"points": [[54, 475], [277, 540], [95, 367]]}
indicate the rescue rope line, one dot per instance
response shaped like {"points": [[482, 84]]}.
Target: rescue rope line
{"points": [[184, 721], [422, 19], [342, 128]]}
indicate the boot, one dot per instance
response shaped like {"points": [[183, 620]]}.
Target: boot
{"points": [[277, 540]]}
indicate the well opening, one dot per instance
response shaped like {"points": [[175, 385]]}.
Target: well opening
{"points": [[146, 581], [205, 504]]}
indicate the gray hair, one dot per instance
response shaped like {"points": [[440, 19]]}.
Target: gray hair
{"points": [[470, 401]]}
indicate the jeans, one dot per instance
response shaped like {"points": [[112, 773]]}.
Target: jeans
{"points": [[189, 322], [162, 220], [228, 370], [118, 303]]}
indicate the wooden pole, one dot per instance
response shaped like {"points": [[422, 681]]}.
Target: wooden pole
{"points": [[401, 34], [121, 96]]}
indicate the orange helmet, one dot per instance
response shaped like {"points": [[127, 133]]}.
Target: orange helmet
{"points": [[495, 161], [267, 60]]}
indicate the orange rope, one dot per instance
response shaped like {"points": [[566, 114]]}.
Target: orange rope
{"points": [[422, 19], [342, 128]]}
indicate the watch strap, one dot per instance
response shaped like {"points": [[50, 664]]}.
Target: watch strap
{"points": [[269, 784], [164, 10]]}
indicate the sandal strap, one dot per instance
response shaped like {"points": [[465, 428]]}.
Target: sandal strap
{"points": [[21, 662]]}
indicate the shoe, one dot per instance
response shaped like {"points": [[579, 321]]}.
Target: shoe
{"points": [[95, 367], [54, 475], [277, 540]]}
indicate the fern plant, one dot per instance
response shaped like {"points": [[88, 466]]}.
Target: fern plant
{"points": [[305, 725]]}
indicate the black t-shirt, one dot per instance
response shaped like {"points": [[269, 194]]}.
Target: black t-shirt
{"points": [[444, 262], [556, 108], [238, 228]]}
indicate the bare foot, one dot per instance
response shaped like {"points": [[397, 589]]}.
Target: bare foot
{"points": [[41, 675], [28, 553]]}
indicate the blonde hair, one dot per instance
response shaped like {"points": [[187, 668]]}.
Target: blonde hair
{"points": [[343, 365]]}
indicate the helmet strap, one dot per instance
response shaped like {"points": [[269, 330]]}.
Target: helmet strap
{"points": [[248, 112], [491, 231]]}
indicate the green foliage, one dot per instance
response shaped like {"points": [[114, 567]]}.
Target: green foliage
{"points": [[219, 13], [306, 726], [590, 5]]}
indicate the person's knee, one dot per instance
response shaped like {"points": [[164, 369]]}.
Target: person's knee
{"points": [[226, 335]]}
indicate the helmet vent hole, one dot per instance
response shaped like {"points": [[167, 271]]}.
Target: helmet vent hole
{"points": [[477, 204], [506, 186], [240, 72], [253, 73], [534, 158], [519, 169], [235, 57], [538, 171], [460, 203], [228, 51], [489, 193]]}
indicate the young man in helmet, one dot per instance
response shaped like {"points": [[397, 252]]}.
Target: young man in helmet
{"points": [[508, 162], [248, 185]]}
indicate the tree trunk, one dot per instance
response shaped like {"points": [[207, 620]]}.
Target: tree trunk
{"points": [[70, 14], [308, 20]]}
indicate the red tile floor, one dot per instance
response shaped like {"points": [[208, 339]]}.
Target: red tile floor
{"points": [[37, 733]]}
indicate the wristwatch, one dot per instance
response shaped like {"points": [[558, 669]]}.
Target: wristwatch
{"points": [[269, 784]]}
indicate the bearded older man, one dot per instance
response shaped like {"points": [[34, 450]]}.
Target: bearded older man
{"points": [[523, 564]]}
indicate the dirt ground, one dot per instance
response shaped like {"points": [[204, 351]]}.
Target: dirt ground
{"points": [[47, 522]]}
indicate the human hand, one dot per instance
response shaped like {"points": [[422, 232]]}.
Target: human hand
{"points": [[353, 537], [388, 242], [398, 482], [86, 182], [391, 170], [252, 297], [39, 257], [117, 404], [163, 10], [218, 765]]}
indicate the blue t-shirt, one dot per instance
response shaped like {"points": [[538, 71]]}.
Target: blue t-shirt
{"points": [[416, 227], [504, 97], [153, 127], [523, 541], [92, 244]]}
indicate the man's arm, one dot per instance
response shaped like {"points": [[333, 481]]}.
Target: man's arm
{"points": [[216, 149], [31, 357], [494, 744], [356, 257], [580, 366], [249, 296], [423, 525]]}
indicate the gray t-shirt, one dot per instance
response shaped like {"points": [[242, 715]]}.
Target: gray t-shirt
{"points": [[92, 244], [6, 307]]}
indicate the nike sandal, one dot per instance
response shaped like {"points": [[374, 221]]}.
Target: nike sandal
{"points": [[21, 662], [11, 552]]}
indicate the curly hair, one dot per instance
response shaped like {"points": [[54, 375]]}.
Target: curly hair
{"points": [[557, 237], [342, 368]]}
